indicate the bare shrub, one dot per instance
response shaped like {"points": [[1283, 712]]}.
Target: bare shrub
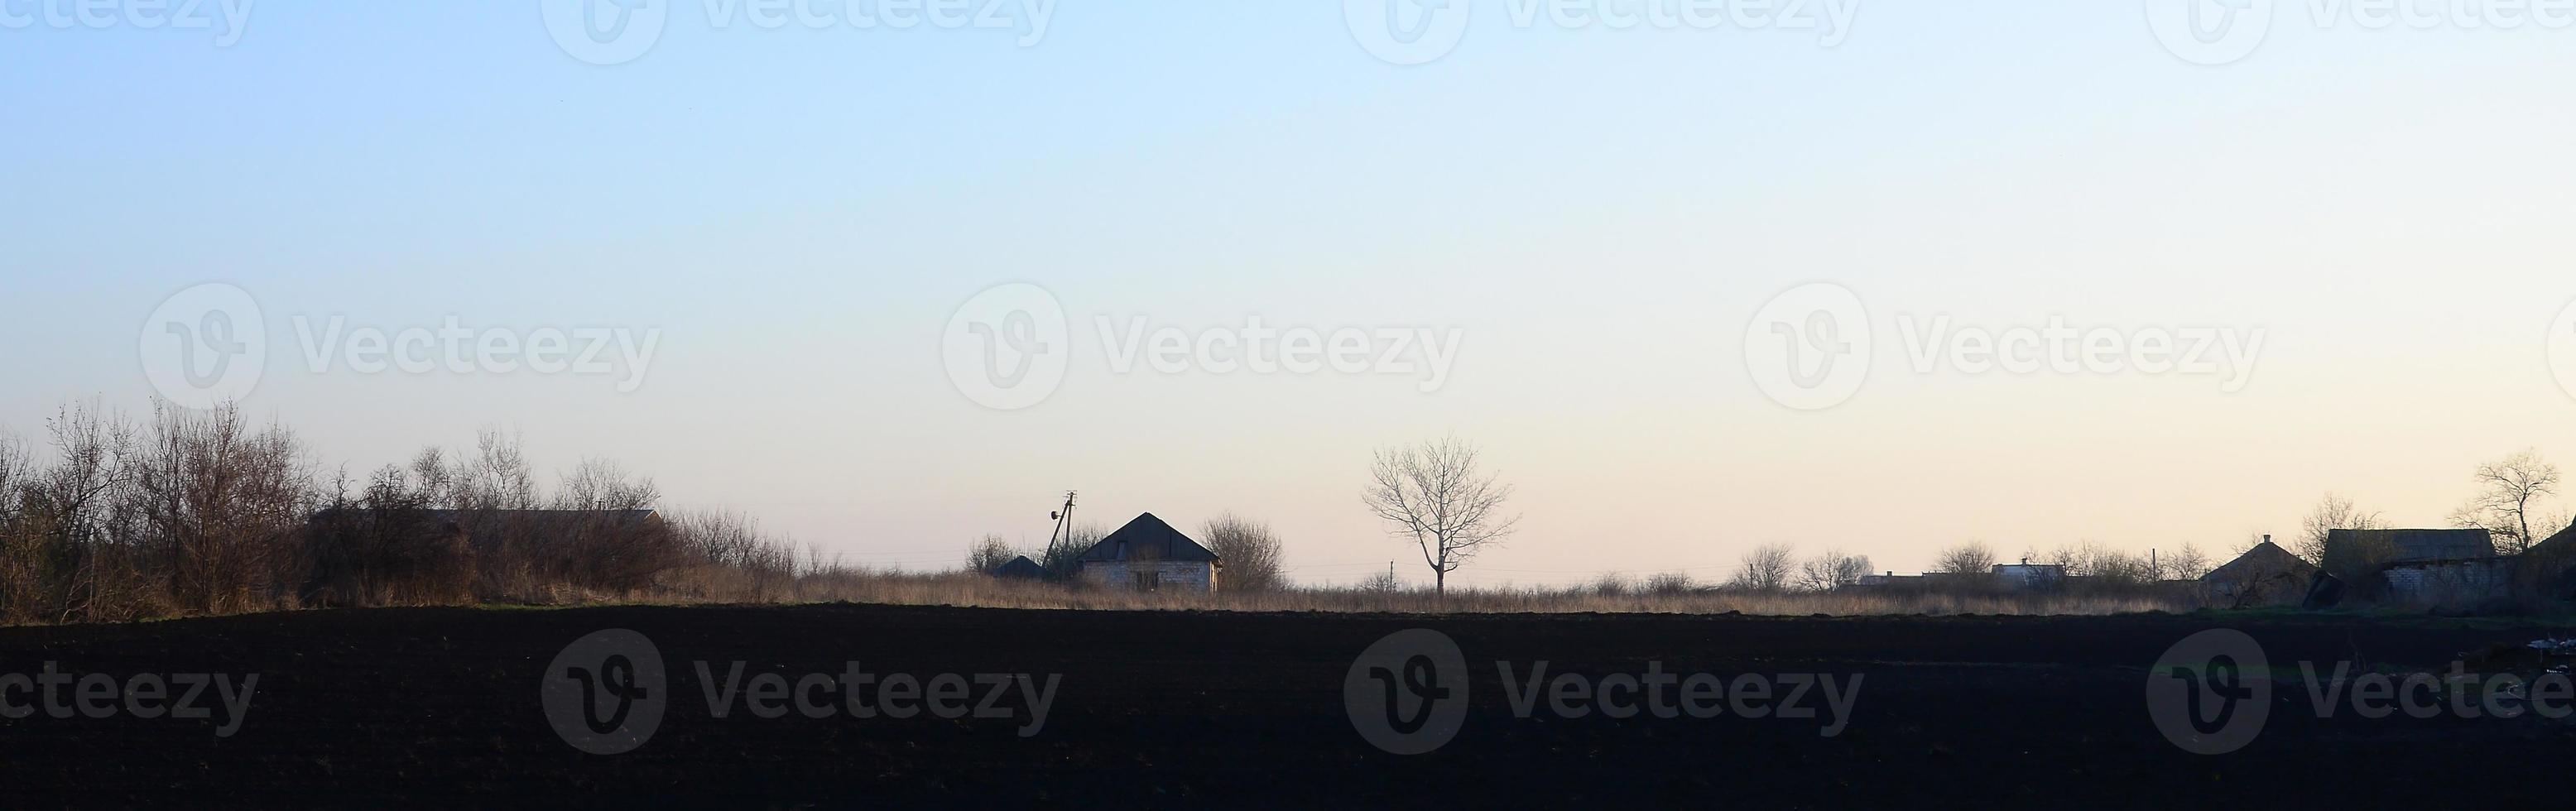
{"points": [[1381, 584], [387, 547], [1063, 551], [731, 559], [1670, 584], [1249, 551], [221, 504], [496, 477], [1966, 558], [1612, 584], [1831, 570], [1766, 569], [989, 553], [603, 485]]}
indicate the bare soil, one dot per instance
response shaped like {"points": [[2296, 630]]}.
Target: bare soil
{"points": [[440, 708]]}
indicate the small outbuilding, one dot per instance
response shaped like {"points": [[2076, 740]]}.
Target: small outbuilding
{"points": [[1020, 568]]}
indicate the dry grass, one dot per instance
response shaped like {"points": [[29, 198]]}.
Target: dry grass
{"points": [[886, 588]]}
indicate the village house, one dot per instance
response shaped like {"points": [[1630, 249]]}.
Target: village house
{"points": [[1149, 555], [2432, 567], [2266, 575]]}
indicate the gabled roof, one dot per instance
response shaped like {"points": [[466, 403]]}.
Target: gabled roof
{"points": [[2359, 553], [2265, 561], [1020, 568], [2559, 549], [1146, 538]]}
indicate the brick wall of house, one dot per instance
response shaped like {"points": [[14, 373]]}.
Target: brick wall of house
{"points": [[1175, 575]]}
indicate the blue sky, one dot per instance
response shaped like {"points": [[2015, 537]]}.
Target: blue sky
{"points": [[799, 213]]}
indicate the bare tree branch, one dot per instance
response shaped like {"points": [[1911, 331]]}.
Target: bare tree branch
{"points": [[2506, 501]]}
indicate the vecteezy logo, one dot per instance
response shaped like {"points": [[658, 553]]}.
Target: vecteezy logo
{"points": [[1007, 348], [1407, 32], [2562, 349], [606, 32], [2210, 32], [1809, 348], [204, 346], [1407, 694], [2211, 693], [605, 692]]}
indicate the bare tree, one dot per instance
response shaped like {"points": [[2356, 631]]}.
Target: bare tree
{"points": [[2332, 513], [1436, 494], [94, 459], [70, 551], [2504, 503], [497, 478], [2188, 563], [1767, 569], [1832, 570], [604, 485], [1612, 584], [433, 478], [1966, 558], [988, 554], [1249, 551], [16, 459]]}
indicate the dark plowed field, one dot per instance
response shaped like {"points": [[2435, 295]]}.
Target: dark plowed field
{"points": [[442, 708]]}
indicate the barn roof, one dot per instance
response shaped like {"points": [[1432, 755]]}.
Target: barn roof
{"points": [[2360, 552], [2422, 544], [2265, 560], [1146, 538]]}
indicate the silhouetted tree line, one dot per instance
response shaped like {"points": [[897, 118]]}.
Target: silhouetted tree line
{"points": [[201, 512]]}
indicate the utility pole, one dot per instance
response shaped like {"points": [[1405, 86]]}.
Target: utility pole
{"points": [[1063, 529]]}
